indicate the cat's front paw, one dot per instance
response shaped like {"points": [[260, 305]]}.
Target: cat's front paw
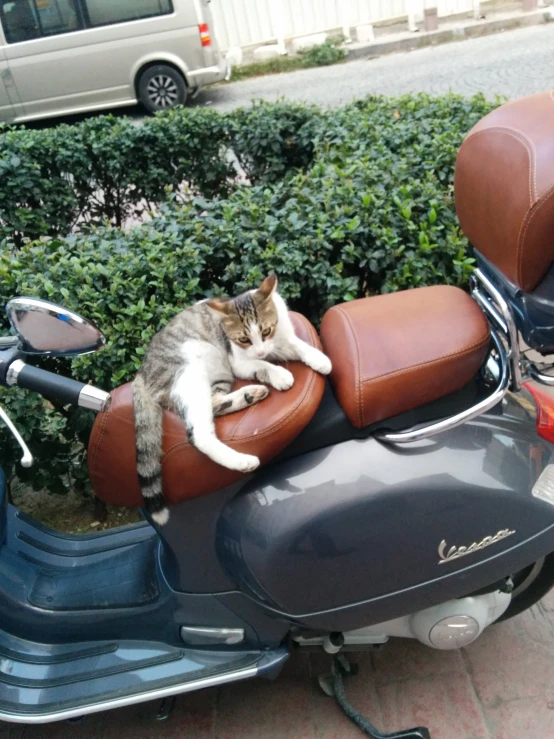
{"points": [[280, 378], [319, 362], [245, 463]]}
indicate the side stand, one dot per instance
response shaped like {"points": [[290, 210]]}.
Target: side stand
{"points": [[333, 685]]}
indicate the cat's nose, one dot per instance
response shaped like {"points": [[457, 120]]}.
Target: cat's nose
{"points": [[260, 353]]}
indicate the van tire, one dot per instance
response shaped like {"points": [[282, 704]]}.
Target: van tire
{"points": [[161, 87]]}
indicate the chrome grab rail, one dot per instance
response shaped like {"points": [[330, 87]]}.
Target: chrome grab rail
{"points": [[425, 432], [498, 310], [539, 377]]}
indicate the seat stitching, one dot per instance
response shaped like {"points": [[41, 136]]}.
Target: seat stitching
{"points": [[532, 170], [359, 403], [526, 142], [246, 439], [460, 353], [527, 222]]}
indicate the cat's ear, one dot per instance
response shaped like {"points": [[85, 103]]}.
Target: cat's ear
{"points": [[220, 306], [266, 289]]}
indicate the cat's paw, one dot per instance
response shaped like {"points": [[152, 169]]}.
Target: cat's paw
{"points": [[254, 393], [245, 463], [320, 363], [280, 378]]}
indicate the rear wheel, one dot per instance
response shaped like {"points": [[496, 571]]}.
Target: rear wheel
{"points": [[530, 586], [161, 87]]}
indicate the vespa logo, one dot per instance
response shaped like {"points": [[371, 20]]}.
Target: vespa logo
{"points": [[457, 552]]}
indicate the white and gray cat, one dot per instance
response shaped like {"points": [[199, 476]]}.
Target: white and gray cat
{"points": [[190, 367]]}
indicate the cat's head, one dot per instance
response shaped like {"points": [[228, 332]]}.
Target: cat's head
{"points": [[250, 320]]}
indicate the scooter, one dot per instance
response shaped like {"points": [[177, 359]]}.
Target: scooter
{"points": [[411, 495]]}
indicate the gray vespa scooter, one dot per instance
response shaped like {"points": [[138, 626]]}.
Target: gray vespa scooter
{"points": [[411, 496]]}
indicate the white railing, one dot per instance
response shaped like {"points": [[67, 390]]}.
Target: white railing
{"points": [[249, 23]]}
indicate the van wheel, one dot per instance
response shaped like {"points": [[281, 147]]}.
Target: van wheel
{"points": [[162, 87]]}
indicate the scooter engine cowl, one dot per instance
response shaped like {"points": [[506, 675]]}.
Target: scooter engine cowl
{"points": [[363, 532]]}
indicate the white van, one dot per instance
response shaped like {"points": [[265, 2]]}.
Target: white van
{"points": [[70, 56]]}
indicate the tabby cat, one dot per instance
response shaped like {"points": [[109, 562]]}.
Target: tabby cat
{"points": [[190, 367]]}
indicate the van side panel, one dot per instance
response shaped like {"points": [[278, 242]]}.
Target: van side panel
{"points": [[8, 95], [96, 67]]}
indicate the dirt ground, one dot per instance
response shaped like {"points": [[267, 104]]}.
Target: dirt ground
{"points": [[71, 513]]}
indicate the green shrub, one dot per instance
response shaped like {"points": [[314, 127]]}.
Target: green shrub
{"points": [[37, 197], [322, 55], [271, 140], [107, 169], [344, 204]]}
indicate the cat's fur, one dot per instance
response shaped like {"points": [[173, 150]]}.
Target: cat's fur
{"points": [[190, 367]]}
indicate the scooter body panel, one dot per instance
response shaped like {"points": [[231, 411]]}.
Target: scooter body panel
{"points": [[61, 589], [352, 534]]}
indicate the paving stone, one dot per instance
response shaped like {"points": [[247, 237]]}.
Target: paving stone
{"points": [[446, 705], [523, 718], [512, 660]]}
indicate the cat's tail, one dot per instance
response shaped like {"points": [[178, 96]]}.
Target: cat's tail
{"points": [[148, 434]]}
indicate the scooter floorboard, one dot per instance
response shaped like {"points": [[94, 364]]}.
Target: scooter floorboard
{"points": [[44, 683]]}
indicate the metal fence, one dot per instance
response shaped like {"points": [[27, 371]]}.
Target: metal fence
{"points": [[254, 22]]}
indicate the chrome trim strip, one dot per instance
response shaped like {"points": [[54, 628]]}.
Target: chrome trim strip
{"points": [[13, 372], [425, 432], [93, 398], [510, 329], [197, 635], [208, 682]]}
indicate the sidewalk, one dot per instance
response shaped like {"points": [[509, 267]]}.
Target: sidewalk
{"points": [[456, 30]]}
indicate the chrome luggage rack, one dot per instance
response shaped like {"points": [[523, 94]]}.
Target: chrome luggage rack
{"points": [[501, 315], [504, 364]]}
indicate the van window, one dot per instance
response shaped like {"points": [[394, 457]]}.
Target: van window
{"points": [[24, 20], [19, 20], [105, 12], [58, 16]]}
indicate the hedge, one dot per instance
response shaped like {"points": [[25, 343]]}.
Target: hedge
{"points": [[341, 204]]}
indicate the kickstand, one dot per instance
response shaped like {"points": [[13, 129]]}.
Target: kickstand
{"points": [[166, 708], [333, 685]]}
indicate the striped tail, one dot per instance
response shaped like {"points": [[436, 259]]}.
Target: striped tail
{"points": [[148, 434]]}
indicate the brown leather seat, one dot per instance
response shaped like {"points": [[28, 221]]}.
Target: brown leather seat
{"points": [[504, 188], [393, 353], [264, 430]]}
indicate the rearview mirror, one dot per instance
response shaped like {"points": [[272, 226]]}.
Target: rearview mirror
{"points": [[47, 328]]}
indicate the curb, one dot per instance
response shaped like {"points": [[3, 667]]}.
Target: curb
{"points": [[474, 29]]}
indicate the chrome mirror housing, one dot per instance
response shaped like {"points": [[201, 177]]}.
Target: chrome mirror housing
{"points": [[46, 328]]}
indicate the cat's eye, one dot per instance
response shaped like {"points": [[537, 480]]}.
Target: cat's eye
{"points": [[245, 340], [266, 332]]}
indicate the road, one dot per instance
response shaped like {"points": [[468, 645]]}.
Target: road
{"points": [[513, 63]]}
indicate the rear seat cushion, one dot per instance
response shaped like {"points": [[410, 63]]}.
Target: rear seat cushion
{"points": [[264, 429], [392, 353]]}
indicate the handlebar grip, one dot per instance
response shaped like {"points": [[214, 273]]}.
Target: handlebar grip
{"points": [[52, 386]]}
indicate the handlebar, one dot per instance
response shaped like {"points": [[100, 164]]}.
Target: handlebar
{"points": [[55, 387]]}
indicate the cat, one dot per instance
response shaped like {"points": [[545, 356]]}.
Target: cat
{"points": [[190, 367]]}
